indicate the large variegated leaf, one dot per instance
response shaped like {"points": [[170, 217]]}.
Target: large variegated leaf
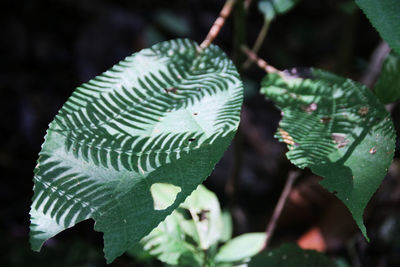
{"points": [[164, 115], [337, 128], [385, 17]]}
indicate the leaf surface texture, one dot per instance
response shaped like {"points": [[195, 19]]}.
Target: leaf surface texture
{"points": [[385, 17], [338, 129], [164, 115]]}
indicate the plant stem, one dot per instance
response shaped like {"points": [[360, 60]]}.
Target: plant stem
{"points": [[375, 65], [260, 62], [219, 22], [239, 37], [247, 4], [292, 176], [259, 41]]}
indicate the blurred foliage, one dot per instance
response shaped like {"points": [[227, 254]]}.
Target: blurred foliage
{"points": [[271, 8], [191, 234], [387, 88], [290, 255]]}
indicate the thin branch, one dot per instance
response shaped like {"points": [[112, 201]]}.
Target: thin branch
{"points": [[219, 22], [293, 175], [247, 4], [259, 41], [260, 62], [375, 64]]}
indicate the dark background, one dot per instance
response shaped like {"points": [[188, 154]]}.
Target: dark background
{"points": [[50, 47]]}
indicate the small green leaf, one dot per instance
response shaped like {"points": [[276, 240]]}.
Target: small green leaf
{"points": [[385, 17], [387, 88], [164, 115], [227, 226], [204, 207], [272, 8], [169, 240], [337, 128], [290, 255], [241, 248]]}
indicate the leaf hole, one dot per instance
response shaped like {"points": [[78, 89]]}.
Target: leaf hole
{"points": [[171, 90], [203, 215]]}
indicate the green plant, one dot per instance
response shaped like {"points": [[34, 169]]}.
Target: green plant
{"points": [[131, 145], [191, 234]]}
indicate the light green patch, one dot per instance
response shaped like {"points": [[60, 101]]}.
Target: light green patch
{"points": [[164, 195]]}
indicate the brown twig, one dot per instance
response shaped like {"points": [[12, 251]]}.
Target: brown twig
{"points": [[259, 41], [280, 205], [219, 22], [260, 62], [247, 4]]}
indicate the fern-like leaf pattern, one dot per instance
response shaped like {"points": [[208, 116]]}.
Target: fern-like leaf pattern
{"points": [[163, 115], [338, 129]]}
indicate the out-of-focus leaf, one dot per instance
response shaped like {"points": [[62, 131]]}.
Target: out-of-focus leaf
{"points": [[169, 241], [385, 17], [272, 8], [290, 255], [241, 248], [348, 7], [251, 88], [337, 128], [387, 88], [204, 207], [227, 226], [153, 36], [173, 23]]}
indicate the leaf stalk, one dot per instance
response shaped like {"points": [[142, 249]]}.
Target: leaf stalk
{"points": [[293, 175], [219, 22]]}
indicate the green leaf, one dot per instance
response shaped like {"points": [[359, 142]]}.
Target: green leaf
{"points": [[387, 88], [168, 240], [385, 17], [227, 226], [271, 8], [337, 128], [290, 255], [205, 210], [172, 23], [164, 115], [240, 248]]}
